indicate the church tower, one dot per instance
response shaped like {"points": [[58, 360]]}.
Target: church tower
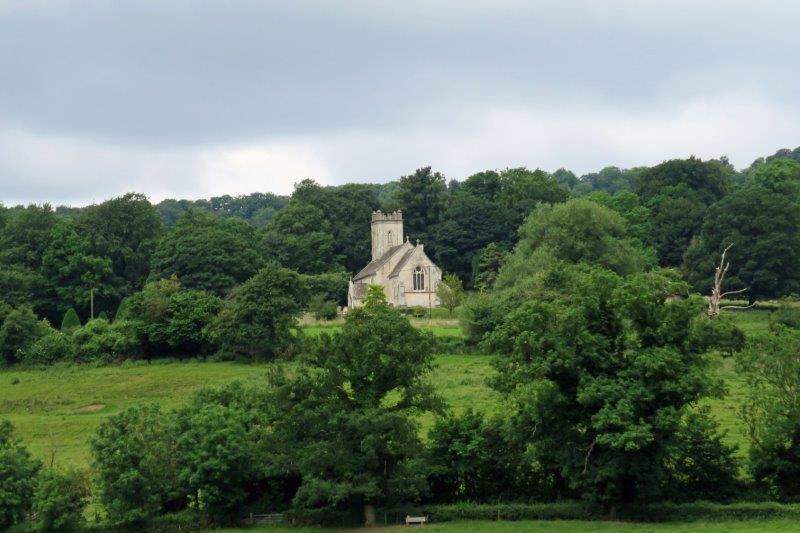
{"points": [[387, 231]]}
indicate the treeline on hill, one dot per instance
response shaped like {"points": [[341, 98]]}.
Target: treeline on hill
{"points": [[67, 277]]}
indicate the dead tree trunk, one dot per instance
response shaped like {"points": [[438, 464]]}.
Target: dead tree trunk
{"points": [[717, 295]]}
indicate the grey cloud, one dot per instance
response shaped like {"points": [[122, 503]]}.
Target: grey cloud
{"points": [[188, 75]]}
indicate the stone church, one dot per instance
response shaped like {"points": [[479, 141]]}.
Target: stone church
{"points": [[408, 276]]}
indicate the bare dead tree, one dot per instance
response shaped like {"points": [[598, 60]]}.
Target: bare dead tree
{"points": [[717, 295]]}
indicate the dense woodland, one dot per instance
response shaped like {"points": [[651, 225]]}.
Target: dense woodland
{"points": [[589, 290]]}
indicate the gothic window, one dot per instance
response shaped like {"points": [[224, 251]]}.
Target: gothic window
{"points": [[419, 279], [390, 238]]}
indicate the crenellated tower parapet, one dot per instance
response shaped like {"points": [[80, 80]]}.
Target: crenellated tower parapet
{"points": [[387, 231]]}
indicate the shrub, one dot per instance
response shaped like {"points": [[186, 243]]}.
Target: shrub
{"points": [[71, 322], [787, 315], [99, 341], [171, 320], [60, 499], [19, 330], [323, 310], [719, 333], [700, 466], [17, 478], [54, 346]]}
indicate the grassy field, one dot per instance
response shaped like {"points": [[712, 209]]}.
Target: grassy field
{"points": [[56, 410], [565, 526]]}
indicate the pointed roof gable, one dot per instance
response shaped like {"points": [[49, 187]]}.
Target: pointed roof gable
{"points": [[373, 266]]}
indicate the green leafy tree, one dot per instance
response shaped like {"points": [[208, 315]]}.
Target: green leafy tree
{"points": [[422, 196], [771, 368], [301, 238], [350, 413], [577, 231], [207, 252], [50, 348], [601, 369], [125, 230], [19, 330], [610, 180], [99, 341], [521, 191], [764, 228], [136, 465], [487, 264], [257, 320], [76, 274], [60, 500], [17, 478], [469, 223], [26, 235], [450, 292], [171, 320], [677, 192]]}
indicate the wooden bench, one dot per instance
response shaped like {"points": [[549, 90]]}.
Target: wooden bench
{"points": [[416, 520]]}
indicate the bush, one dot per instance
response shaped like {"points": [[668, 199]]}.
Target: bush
{"points": [[19, 330], [60, 499], [71, 322], [719, 333], [170, 320], [99, 341], [54, 346], [136, 465], [323, 310], [17, 478], [787, 315], [700, 466]]}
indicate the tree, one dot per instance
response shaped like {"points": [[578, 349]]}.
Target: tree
{"points": [[207, 252], [486, 265], [450, 292], [601, 369], [258, 318], [26, 235], [469, 223], [60, 500], [611, 180], [678, 192], [19, 330], [71, 322], [521, 191], [171, 320], [577, 231], [76, 275], [17, 478], [765, 227], [125, 230], [300, 238], [136, 465], [771, 368], [350, 413], [422, 197]]}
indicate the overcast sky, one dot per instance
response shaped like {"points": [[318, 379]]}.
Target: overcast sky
{"points": [[191, 99]]}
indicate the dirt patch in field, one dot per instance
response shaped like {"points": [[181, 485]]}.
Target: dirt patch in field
{"points": [[92, 408]]}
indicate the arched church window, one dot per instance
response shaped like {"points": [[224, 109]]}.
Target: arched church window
{"points": [[419, 279], [390, 238]]}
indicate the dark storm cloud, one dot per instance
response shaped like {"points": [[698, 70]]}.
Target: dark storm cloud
{"points": [[131, 77]]}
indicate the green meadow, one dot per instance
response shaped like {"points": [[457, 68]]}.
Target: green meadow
{"points": [[56, 410]]}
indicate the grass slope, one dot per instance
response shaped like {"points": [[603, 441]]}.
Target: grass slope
{"points": [[55, 411]]}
